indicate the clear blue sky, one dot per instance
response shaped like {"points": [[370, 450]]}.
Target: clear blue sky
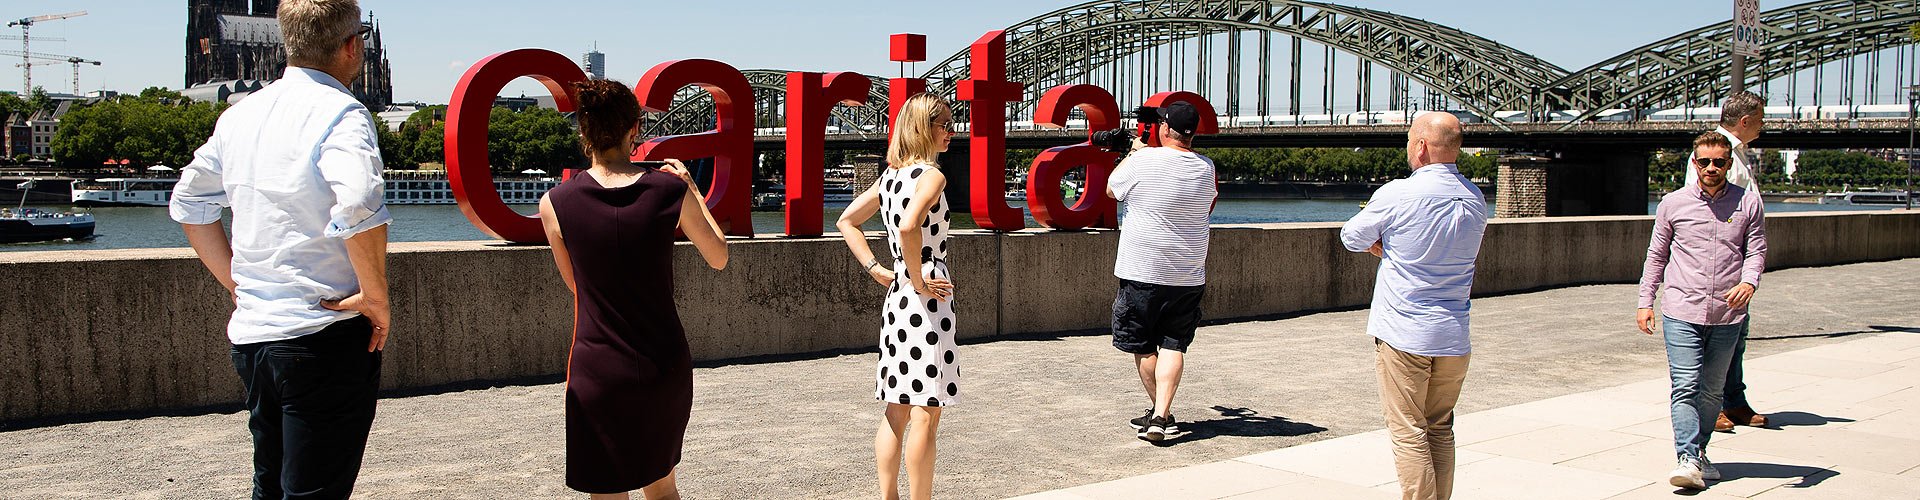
{"points": [[431, 43]]}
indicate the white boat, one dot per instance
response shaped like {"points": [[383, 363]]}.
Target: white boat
{"points": [[403, 187], [25, 225], [123, 192], [430, 187], [1864, 198], [837, 193]]}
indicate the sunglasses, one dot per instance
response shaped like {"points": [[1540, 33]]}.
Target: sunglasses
{"points": [[1717, 162], [945, 125], [364, 33]]}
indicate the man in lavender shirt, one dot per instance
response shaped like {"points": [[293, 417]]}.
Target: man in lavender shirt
{"points": [[1709, 247]]}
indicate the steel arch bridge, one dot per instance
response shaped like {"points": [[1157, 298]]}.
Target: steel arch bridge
{"points": [[1694, 67], [1136, 47]]}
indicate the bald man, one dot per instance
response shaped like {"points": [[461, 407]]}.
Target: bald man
{"points": [[1426, 231]]}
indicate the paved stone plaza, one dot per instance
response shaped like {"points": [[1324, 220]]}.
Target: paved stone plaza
{"points": [[1565, 399]]}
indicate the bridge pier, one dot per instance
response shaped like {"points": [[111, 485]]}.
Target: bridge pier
{"points": [[1582, 181]]}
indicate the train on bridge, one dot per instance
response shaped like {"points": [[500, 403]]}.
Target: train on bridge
{"points": [[1402, 117]]}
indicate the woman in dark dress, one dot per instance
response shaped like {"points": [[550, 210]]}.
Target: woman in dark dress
{"points": [[630, 373]]}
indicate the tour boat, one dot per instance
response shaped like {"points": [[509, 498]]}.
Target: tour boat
{"points": [[24, 225], [837, 193], [123, 192], [403, 187], [31, 224], [1864, 198], [430, 187]]}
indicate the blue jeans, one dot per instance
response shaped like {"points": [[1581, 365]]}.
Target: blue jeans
{"points": [[1697, 360]]}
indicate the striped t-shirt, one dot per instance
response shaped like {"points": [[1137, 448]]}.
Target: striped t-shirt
{"points": [[1169, 197]]}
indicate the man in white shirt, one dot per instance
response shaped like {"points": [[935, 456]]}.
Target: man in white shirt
{"points": [[1426, 230], [1742, 117], [1162, 261], [306, 269]]}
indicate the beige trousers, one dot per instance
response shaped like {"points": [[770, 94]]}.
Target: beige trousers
{"points": [[1417, 394]]}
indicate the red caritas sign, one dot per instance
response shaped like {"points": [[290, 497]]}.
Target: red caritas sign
{"points": [[810, 96]]}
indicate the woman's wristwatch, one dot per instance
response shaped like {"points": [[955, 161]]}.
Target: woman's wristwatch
{"points": [[871, 263]]}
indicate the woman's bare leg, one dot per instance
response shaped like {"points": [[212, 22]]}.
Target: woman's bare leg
{"points": [[662, 489], [886, 449], [920, 447]]}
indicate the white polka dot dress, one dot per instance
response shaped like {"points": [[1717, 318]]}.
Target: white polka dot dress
{"points": [[918, 365]]}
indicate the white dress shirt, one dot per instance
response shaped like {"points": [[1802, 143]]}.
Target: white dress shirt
{"points": [[298, 163], [1739, 172], [1429, 226]]}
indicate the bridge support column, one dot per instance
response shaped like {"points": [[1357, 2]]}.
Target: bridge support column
{"points": [[1521, 190], [1573, 182], [866, 170]]}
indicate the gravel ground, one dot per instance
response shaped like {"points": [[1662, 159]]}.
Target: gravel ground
{"points": [[1041, 413]]}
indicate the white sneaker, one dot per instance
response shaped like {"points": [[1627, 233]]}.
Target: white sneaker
{"points": [[1688, 475], [1707, 471]]}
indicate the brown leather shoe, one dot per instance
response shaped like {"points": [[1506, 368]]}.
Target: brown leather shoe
{"points": [[1722, 424], [1744, 416]]}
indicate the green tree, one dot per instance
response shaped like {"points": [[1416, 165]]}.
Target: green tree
{"points": [[38, 100], [537, 138], [429, 147], [1482, 165], [1836, 168], [394, 148], [157, 126], [1667, 168], [11, 103]]}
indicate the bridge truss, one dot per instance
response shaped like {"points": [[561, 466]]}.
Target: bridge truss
{"points": [[1134, 48]]}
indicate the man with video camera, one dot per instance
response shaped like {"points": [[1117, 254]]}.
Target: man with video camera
{"points": [[1168, 191]]}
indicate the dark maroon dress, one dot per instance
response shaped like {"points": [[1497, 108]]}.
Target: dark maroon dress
{"points": [[630, 374]]}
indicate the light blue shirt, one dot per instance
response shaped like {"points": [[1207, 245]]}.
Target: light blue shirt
{"points": [[298, 164], [1430, 225]]}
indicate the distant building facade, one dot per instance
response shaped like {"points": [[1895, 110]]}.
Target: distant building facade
{"points": [[595, 63], [229, 40], [18, 135]]}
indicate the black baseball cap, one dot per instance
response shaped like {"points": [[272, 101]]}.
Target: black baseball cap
{"points": [[1181, 117]]}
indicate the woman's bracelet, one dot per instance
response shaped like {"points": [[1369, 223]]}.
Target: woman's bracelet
{"points": [[871, 263]]}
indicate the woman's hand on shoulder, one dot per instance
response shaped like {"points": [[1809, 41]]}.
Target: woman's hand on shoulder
{"points": [[678, 170]]}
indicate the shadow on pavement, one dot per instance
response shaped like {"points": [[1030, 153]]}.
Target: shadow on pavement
{"points": [[1809, 476], [1778, 420], [1835, 335], [1242, 422]]}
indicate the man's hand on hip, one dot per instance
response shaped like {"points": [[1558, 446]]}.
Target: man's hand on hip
{"points": [[377, 311]]}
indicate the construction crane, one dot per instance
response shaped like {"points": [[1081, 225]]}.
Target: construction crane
{"points": [[26, 64], [57, 58]]}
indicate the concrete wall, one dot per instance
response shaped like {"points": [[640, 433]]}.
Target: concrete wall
{"points": [[142, 330]]}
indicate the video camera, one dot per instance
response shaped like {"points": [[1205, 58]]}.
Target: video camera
{"points": [[1120, 140]]}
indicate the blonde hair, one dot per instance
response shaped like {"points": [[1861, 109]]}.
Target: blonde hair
{"points": [[915, 137], [314, 29]]}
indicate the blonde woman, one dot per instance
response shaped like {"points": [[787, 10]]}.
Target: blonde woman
{"points": [[918, 374]]}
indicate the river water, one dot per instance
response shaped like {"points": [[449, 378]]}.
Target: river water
{"points": [[149, 227]]}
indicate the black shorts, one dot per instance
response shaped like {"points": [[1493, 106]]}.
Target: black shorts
{"points": [[1148, 316]]}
